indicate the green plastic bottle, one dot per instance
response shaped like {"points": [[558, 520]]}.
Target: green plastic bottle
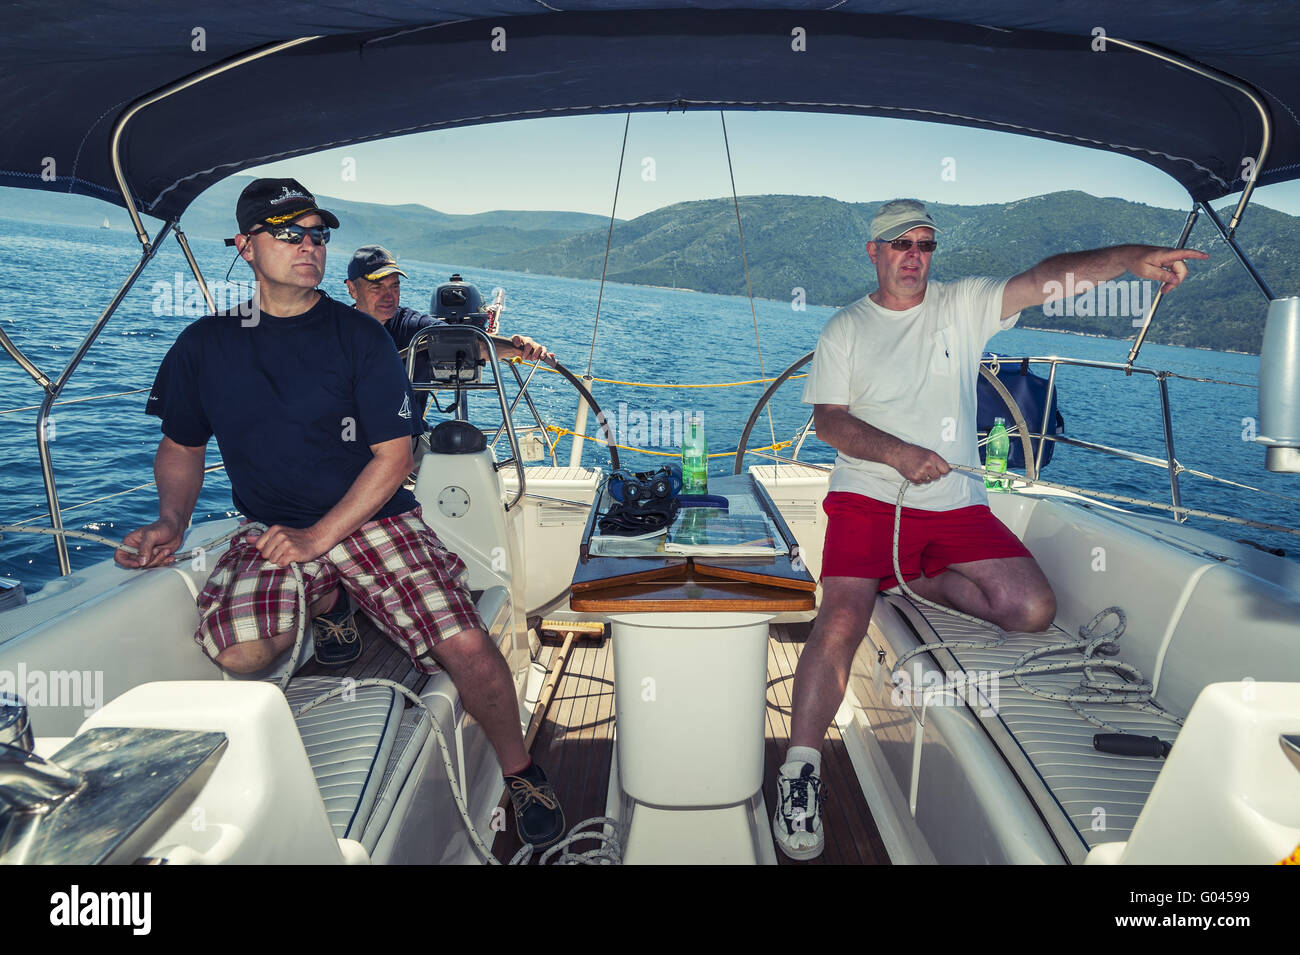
{"points": [[695, 457], [995, 454]]}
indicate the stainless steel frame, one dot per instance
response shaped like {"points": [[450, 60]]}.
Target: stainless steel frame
{"points": [[1237, 250], [1160, 292], [1265, 118], [1266, 139], [52, 390]]}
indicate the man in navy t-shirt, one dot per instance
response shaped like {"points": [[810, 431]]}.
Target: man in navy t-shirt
{"points": [[313, 415], [375, 286]]}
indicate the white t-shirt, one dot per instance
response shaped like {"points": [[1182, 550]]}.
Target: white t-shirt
{"points": [[911, 374]]}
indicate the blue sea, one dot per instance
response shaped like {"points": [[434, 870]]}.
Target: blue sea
{"points": [[60, 277]]}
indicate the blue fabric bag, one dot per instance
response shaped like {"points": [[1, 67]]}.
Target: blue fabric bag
{"points": [[1030, 393]]}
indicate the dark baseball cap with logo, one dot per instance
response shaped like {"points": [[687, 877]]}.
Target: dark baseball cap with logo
{"points": [[277, 202], [372, 262]]}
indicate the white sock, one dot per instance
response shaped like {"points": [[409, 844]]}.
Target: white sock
{"points": [[796, 756]]}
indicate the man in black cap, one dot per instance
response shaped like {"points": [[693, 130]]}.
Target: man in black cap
{"points": [[375, 284], [313, 415]]}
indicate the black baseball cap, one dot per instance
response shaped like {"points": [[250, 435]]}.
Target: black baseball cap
{"points": [[372, 262], [277, 202]]}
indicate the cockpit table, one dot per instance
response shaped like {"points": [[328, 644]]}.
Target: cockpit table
{"points": [[690, 639]]}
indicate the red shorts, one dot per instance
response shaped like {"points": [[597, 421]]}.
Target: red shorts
{"points": [[395, 569], [860, 539]]}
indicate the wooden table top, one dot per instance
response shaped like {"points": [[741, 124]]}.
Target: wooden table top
{"points": [[675, 583]]}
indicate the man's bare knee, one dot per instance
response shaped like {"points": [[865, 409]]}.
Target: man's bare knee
{"points": [[1040, 611], [254, 655], [467, 648], [1031, 612], [246, 657]]}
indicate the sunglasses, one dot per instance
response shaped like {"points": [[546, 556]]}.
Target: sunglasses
{"points": [[320, 234], [904, 245]]}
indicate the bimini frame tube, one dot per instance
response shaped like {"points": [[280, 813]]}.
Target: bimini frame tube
{"points": [[1238, 251], [115, 141], [1265, 118], [194, 267], [43, 430], [1160, 294], [1258, 163]]}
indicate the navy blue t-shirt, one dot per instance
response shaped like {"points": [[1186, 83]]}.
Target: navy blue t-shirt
{"points": [[295, 404], [403, 327]]}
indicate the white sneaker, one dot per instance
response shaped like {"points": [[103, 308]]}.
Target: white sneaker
{"points": [[797, 823]]}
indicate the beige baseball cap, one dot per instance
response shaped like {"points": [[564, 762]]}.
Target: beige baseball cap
{"points": [[899, 216]]}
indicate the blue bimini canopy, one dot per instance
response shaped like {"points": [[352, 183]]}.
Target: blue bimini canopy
{"points": [[74, 71]]}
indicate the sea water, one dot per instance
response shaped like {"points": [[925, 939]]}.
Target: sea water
{"points": [[58, 278]]}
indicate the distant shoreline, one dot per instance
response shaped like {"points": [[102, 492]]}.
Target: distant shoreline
{"points": [[1129, 338], [126, 232]]}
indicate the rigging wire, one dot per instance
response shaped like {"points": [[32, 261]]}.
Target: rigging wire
{"points": [[608, 240], [749, 290]]}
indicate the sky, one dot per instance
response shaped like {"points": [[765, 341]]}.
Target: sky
{"points": [[572, 164]]}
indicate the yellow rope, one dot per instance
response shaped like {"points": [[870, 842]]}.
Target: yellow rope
{"points": [[561, 432], [650, 384]]}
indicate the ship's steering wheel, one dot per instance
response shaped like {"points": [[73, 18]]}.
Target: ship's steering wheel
{"points": [[572, 379]]}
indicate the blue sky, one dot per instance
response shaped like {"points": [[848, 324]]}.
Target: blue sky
{"points": [[571, 164]]}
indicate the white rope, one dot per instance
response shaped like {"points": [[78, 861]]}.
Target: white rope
{"points": [[1091, 689]]}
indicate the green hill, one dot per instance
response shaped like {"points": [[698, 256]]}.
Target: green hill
{"points": [[817, 244], [409, 230]]}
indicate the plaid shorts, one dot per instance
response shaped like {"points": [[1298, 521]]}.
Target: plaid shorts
{"points": [[395, 569]]}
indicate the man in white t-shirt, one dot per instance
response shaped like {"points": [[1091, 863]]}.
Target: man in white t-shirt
{"points": [[893, 390]]}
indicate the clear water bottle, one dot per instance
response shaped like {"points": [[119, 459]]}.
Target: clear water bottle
{"points": [[695, 457], [995, 454]]}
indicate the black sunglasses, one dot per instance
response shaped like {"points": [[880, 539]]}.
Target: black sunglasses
{"points": [[320, 234], [903, 245]]}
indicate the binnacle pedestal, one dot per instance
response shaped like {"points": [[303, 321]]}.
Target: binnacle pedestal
{"points": [[689, 696], [690, 643]]}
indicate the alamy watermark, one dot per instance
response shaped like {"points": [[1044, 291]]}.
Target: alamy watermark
{"points": [[641, 429], [183, 297], [84, 688], [1109, 299], [978, 689]]}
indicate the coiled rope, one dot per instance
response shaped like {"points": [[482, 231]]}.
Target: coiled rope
{"points": [[1134, 691]]}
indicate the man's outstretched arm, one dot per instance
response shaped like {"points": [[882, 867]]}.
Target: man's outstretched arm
{"points": [[377, 482], [178, 472], [1047, 280], [844, 432]]}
